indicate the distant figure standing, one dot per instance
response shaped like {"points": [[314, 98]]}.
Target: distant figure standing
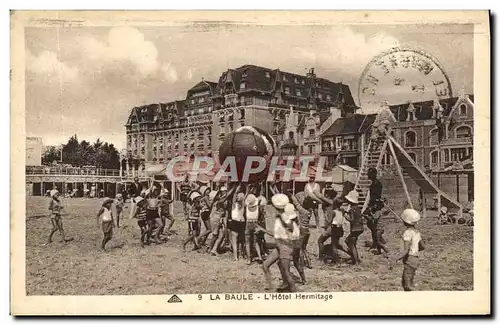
{"points": [[93, 191]]}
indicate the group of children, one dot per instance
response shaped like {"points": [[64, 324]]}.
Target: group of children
{"points": [[236, 217]]}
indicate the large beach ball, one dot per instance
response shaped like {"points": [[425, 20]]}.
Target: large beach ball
{"points": [[248, 141]]}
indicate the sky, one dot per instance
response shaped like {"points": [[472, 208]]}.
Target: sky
{"points": [[85, 80]]}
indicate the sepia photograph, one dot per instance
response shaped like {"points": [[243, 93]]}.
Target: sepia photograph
{"points": [[250, 163]]}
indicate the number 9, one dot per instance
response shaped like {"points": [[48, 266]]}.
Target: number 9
{"points": [[199, 297]]}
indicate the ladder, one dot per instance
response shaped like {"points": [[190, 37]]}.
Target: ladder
{"points": [[372, 158]]}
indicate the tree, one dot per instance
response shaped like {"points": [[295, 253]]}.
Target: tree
{"points": [[78, 154], [50, 155]]}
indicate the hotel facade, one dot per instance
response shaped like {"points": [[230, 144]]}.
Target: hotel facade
{"points": [[290, 107]]}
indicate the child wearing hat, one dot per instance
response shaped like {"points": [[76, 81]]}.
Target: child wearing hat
{"points": [[412, 245], [352, 213], [286, 234], [55, 207], [107, 223]]}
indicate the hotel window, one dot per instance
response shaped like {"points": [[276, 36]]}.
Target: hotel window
{"points": [[410, 139], [458, 154], [328, 97], [311, 148], [434, 158], [242, 114], [312, 132], [244, 73], [413, 156], [192, 101], [463, 109], [433, 137], [287, 90], [298, 92], [446, 155], [338, 142], [268, 75], [202, 99], [463, 132], [243, 85], [320, 96], [296, 80], [285, 78], [303, 82]]}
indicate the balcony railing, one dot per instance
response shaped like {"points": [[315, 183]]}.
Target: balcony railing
{"points": [[311, 138], [457, 141], [63, 171]]}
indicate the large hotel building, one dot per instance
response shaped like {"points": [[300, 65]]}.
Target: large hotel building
{"points": [[248, 95]]}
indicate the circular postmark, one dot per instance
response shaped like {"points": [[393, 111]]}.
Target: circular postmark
{"points": [[400, 75]]}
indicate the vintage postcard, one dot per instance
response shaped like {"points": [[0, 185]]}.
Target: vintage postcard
{"points": [[250, 163]]}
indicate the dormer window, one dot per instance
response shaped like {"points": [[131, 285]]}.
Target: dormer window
{"points": [[303, 82], [296, 80], [244, 74], [463, 109], [285, 78], [287, 90], [328, 97], [268, 75], [243, 85]]}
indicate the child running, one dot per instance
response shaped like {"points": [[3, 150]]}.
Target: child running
{"points": [[106, 217], [55, 207], [412, 245]]}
